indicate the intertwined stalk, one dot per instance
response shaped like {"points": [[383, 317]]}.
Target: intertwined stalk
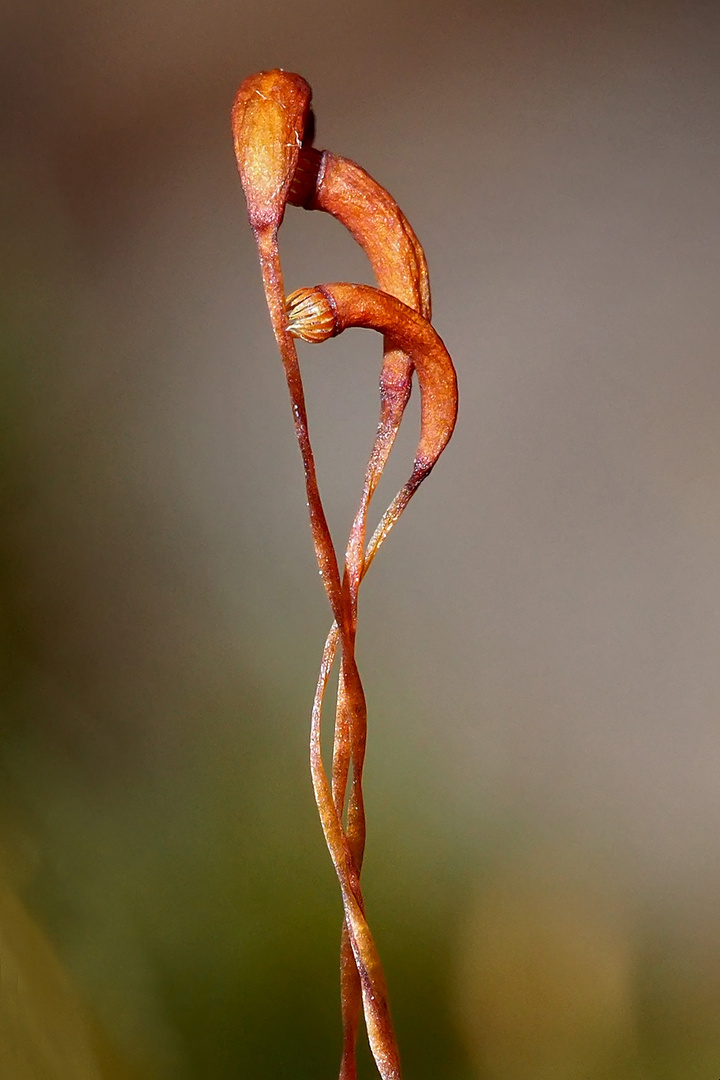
{"points": [[272, 128]]}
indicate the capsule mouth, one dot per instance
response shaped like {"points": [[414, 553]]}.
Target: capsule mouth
{"points": [[310, 315]]}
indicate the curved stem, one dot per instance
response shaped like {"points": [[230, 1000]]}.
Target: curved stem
{"points": [[324, 181]]}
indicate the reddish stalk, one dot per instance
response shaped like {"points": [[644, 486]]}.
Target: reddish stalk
{"points": [[341, 188], [272, 127]]}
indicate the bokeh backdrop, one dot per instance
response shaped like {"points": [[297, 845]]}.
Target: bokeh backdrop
{"points": [[540, 637]]}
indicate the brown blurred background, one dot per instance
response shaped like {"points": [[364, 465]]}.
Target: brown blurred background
{"points": [[540, 638]]}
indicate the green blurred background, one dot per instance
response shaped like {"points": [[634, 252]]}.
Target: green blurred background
{"points": [[539, 639]]}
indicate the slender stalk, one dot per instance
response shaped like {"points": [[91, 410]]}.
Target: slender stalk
{"points": [[273, 129]]}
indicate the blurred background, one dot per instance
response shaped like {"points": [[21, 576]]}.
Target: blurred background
{"points": [[540, 637]]}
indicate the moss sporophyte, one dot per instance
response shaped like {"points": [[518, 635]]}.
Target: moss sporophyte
{"points": [[273, 129]]}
